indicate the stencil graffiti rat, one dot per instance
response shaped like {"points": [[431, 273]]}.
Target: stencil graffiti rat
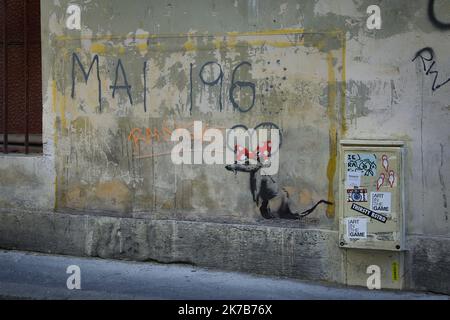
{"points": [[275, 201]]}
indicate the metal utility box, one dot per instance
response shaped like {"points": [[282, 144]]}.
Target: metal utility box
{"points": [[371, 195]]}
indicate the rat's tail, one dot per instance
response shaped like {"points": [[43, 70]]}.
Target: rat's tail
{"points": [[309, 211]]}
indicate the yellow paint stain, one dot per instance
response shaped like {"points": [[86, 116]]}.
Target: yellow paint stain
{"points": [[56, 204], [257, 43], [122, 50], [332, 164], [218, 43], [189, 46], [54, 93], [231, 42], [267, 32], [54, 102], [98, 48], [284, 44], [55, 135], [142, 47], [276, 44], [285, 31], [55, 98], [62, 111], [55, 142], [64, 51], [159, 46], [230, 39], [395, 271], [321, 44], [344, 87]]}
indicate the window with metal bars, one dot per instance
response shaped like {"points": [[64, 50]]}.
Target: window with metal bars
{"points": [[20, 77]]}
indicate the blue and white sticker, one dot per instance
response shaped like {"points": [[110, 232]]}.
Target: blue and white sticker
{"points": [[364, 163]]}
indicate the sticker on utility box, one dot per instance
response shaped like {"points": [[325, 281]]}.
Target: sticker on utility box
{"points": [[357, 195], [380, 202], [356, 228], [369, 213], [353, 179], [363, 163]]}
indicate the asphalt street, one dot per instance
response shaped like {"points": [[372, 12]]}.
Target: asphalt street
{"points": [[36, 276]]}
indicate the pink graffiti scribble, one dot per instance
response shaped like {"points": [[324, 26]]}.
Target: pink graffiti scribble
{"points": [[385, 162], [380, 181], [391, 178]]}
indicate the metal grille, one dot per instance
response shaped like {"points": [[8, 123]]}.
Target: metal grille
{"points": [[20, 77]]}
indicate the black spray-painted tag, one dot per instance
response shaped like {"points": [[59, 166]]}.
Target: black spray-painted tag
{"points": [[369, 213]]}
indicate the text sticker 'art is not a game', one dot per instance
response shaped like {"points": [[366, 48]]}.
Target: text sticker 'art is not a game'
{"points": [[380, 202], [356, 228]]}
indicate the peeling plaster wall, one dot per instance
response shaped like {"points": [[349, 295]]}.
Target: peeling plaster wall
{"points": [[113, 148], [118, 159], [320, 75]]}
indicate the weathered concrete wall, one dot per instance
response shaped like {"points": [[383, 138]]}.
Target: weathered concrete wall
{"points": [[320, 76], [294, 252], [116, 156]]}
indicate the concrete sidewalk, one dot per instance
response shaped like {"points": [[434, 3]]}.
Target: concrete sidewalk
{"points": [[35, 276]]}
